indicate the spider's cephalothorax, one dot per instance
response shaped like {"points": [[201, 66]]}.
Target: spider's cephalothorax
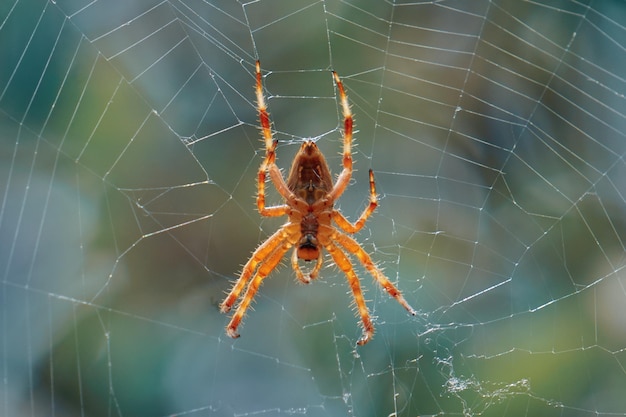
{"points": [[309, 195]]}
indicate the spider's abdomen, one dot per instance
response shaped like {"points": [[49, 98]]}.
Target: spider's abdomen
{"points": [[308, 249]]}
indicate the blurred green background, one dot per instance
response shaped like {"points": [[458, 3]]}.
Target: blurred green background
{"points": [[128, 164]]}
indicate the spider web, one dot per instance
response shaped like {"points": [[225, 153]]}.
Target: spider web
{"points": [[128, 165]]}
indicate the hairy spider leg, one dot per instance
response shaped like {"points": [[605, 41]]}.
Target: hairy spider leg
{"points": [[349, 227], [264, 270], [262, 107], [264, 250], [273, 211], [342, 261], [270, 152], [344, 177], [269, 163], [353, 247]]}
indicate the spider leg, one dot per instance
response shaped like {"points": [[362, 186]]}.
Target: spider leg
{"points": [[263, 114], [296, 267], [349, 227], [270, 151], [353, 247], [344, 177], [342, 261], [264, 250], [269, 163], [274, 211], [264, 270]]}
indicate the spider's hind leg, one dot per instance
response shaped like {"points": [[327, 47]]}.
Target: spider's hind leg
{"points": [[342, 261], [259, 256], [264, 270], [354, 248]]}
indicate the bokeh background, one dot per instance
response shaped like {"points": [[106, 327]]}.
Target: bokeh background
{"points": [[128, 164]]}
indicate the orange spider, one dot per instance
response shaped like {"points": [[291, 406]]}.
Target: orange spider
{"points": [[309, 195]]}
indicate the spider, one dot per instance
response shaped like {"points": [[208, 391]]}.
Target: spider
{"points": [[309, 195]]}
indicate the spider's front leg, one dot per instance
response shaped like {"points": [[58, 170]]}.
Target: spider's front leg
{"points": [[344, 177], [269, 162], [262, 107], [273, 211]]}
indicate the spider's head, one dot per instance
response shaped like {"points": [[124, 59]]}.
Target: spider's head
{"points": [[309, 148], [308, 250], [309, 176]]}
